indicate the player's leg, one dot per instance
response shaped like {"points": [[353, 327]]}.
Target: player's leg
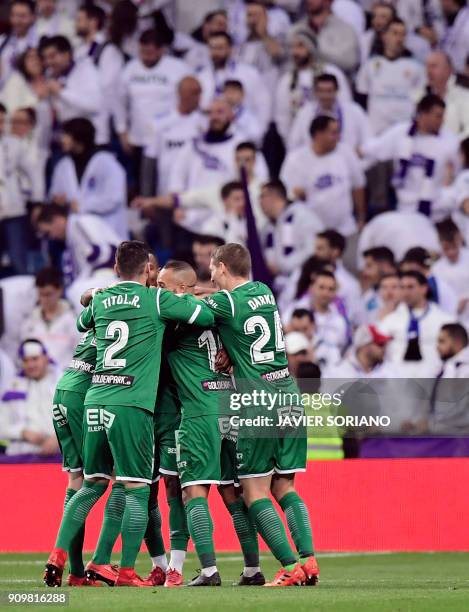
{"points": [[198, 451], [154, 538], [130, 436], [179, 534], [244, 527]]}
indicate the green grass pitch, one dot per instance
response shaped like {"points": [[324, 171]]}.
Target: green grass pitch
{"points": [[350, 583]]}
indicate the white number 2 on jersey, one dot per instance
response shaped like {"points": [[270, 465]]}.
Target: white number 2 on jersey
{"points": [[122, 330], [259, 323]]}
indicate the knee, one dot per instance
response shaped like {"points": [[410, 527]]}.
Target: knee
{"points": [[100, 481], [173, 488], [281, 488], [228, 494]]}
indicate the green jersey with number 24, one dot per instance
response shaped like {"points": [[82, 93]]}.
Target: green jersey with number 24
{"points": [[129, 321]]}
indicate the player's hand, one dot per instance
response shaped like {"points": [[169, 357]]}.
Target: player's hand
{"points": [[222, 361], [33, 437], [86, 298]]}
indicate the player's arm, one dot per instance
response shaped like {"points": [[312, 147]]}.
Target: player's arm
{"points": [[221, 304], [185, 308], [86, 320]]}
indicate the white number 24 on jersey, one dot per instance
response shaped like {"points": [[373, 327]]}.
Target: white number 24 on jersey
{"points": [[258, 323]]}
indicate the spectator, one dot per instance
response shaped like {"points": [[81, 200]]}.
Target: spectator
{"points": [[389, 295], [245, 122], [51, 21], [442, 82], [453, 265], [89, 25], [320, 353], [223, 67], [23, 36], [382, 13], [23, 124], [25, 408], [74, 89], [52, 321], [295, 87], [230, 225], [302, 321], [288, 237], [377, 262], [26, 85], [424, 156], [202, 250], [353, 122], [298, 349], [16, 164], [7, 372], [123, 30], [328, 176], [456, 38], [457, 194], [19, 296], [414, 327], [169, 134], [277, 22], [198, 56], [337, 40], [390, 80], [440, 291], [148, 88], [89, 180]]}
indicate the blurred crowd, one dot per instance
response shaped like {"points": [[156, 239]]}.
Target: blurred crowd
{"points": [[330, 136]]}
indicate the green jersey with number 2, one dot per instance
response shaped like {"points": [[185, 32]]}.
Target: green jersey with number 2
{"points": [[77, 377], [129, 321]]}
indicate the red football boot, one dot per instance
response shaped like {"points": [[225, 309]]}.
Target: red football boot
{"points": [[101, 573], [173, 579], [311, 570], [55, 567], [157, 576], [128, 578], [284, 578], [75, 581]]}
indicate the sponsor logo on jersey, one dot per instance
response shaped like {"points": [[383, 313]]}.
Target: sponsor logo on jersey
{"points": [[113, 379], [82, 366], [217, 385], [276, 375], [59, 414], [99, 418]]}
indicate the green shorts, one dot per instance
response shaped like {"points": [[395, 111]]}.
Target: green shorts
{"points": [[165, 426], [118, 438], [198, 446], [67, 416], [275, 449], [229, 437]]}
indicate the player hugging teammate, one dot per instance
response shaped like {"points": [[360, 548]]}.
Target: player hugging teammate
{"points": [[146, 396]]}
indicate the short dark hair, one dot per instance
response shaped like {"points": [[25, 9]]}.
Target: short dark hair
{"points": [[320, 124], [236, 258], [29, 3], [457, 332], [428, 102], [299, 313], [326, 78], [388, 275], [94, 12], [246, 144], [60, 43], [178, 265], [417, 255], [277, 187], [233, 83], [312, 266], [209, 239], [81, 130], [381, 254], [50, 211], [418, 276], [447, 230], [394, 20], [31, 112], [335, 240], [221, 34], [49, 276], [326, 273], [131, 257], [228, 189], [152, 37]]}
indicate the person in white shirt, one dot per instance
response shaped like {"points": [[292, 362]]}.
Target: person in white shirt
{"points": [[289, 236], [298, 349], [414, 327], [353, 122], [25, 407], [90, 243], [19, 297], [74, 88], [453, 265], [245, 121], [425, 157], [329, 177], [389, 295], [169, 133], [89, 180], [224, 67], [390, 81], [7, 371], [277, 22], [457, 194], [376, 263], [51, 21], [198, 56], [230, 225], [442, 82], [52, 321], [23, 36], [296, 86], [147, 87], [455, 40]]}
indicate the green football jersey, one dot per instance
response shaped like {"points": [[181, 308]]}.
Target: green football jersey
{"points": [[77, 377], [191, 356], [167, 399], [129, 321], [251, 332]]}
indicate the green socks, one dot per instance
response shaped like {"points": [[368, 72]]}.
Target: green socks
{"points": [[246, 532], [200, 527], [270, 526], [298, 523], [134, 524], [178, 533], [76, 511], [112, 523], [75, 554], [153, 537]]}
